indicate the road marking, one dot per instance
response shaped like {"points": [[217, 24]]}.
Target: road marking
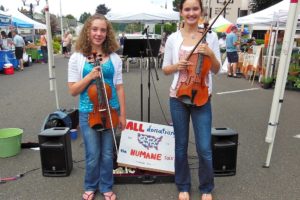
{"points": [[236, 91], [297, 136]]}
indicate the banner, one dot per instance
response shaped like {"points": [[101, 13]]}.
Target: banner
{"points": [[147, 146]]}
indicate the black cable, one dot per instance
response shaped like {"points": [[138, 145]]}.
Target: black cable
{"points": [[75, 161], [155, 90], [18, 176]]}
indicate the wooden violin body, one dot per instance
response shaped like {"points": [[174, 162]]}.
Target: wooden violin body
{"points": [[103, 116], [99, 118], [194, 90]]}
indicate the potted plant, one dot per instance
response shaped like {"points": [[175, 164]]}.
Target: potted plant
{"points": [[290, 81], [267, 82], [297, 83], [294, 69]]}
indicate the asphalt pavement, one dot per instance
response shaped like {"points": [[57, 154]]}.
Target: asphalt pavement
{"points": [[26, 101]]}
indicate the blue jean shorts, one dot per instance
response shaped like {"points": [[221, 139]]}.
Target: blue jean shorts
{"points": [[233, 57]]}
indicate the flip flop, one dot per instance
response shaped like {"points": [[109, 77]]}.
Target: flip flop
{"points": [[183, 196], [89, 195], [110, 196], [206, 197]]}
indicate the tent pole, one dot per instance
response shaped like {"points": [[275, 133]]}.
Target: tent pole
{"points": [[51, 66], [285, 58], [270, 50], [274, 51]]}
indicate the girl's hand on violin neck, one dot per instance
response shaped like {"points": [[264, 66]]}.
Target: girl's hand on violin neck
{"points": [[205, 50], [95, 73], [182, 65]]}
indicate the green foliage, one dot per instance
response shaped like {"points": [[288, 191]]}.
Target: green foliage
{"points": [[84, 17], [134, 27], [257, 5], [167, 27], [102, 9], [176, 5], [267, 79], [297, 83], [69, 16], [292, 78], [294, 64], [259, 41], [57, 39], [56, 47]]}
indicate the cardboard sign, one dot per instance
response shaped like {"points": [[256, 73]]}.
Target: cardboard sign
{"points": [[147, 146]]}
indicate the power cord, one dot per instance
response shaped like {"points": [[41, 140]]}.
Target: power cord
{"points": [[155, 90], [18, 176]]}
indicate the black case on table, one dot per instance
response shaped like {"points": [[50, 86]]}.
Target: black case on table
{"points": [[141, 176]]}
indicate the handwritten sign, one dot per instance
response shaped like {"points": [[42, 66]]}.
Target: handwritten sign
{"points": [[147, 146]]}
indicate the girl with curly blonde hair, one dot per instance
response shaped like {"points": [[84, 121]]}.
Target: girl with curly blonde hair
{"points": [[97, 37]]}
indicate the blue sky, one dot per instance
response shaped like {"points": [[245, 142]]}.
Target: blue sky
{"points": [[77, 7]]}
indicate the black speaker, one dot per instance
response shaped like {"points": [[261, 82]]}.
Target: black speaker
{"points": [[56, 152], [224, 151]]}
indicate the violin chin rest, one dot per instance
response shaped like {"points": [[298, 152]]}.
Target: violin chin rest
{"points": [[186, 99]]}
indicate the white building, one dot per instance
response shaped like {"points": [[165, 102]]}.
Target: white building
{"points": [[235, 9]]}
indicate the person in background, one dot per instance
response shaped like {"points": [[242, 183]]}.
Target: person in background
{"points": [[43, 41], [19, 44], [177, 48], [121, 40], [69, 46], [222, 44], [67, 43], [1, 42], [6, 42], [164, 37], [97, 36], [231, 49], [11, 28]]}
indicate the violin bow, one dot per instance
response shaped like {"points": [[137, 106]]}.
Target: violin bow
{"points": [[106, 99], [208, 29]]}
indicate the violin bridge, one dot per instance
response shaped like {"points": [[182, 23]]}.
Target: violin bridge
{"points": [[102, 110]]}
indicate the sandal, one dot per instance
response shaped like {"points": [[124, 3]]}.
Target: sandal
{"points": [[206, 197], [110, 196], [184, 196], [88, 195]]}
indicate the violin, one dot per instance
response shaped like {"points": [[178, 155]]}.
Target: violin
{"points": [[194, 90], [102, 116]]}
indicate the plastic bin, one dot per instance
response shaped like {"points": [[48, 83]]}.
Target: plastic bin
{"points": [[10, 141]]}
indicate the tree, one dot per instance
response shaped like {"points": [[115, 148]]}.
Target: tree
{"points": [[53, 24], [84, 17], [257, 5], [102, 9], [2, 8], [176, 5], [69, 16]]}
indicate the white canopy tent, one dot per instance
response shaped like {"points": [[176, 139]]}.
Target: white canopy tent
{"points": [[219, 22], [274, 14], [142, 13], [18, 15]]}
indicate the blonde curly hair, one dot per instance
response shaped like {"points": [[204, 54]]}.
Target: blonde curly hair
{"points": [[83, 43]]}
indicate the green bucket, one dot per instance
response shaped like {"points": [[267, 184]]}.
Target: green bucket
{"points": [[10, 142]]}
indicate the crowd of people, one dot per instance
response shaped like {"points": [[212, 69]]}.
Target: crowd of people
{"points": [[13, 41]]}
